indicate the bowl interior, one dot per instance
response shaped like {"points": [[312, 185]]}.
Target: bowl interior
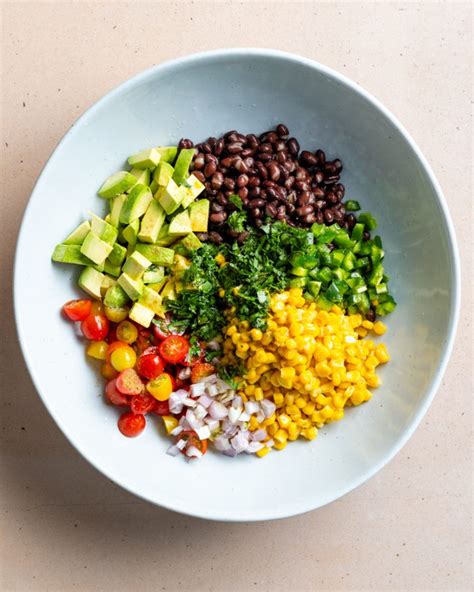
{"points": [[196, 98]]}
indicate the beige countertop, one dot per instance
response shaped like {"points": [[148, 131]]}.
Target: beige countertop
{"points": [[64, 526]]}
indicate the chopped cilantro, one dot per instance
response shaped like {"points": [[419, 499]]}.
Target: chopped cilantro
{"points": [[237, 220], [236, 201]]}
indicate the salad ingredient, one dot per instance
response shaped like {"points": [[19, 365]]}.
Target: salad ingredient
{"points": [[113, 395], [97, 350], [108, 372], [193, 446], [77, 236], [161, 408], [131, 425], [90, 281], [129, 383], [95, 327], [77, 310], [173, 349], [127, 332], [149, 364], [201, 370], [146, 159], [123, 357], [142, 404], [116, 184], [160, 387]]}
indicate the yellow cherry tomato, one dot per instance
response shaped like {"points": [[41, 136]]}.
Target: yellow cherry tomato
{"points": [[116, 314], [108, 371], [123, 358], [160, 387], [97, 350], [126, 331]]}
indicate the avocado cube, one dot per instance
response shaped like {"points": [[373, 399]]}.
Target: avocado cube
{"points": [[169, 197], [117, 184], [104, 230], [154, 186], [180, 264], [180, 224], [116, 205], [133, 288], [167, 153], [146, 159], [135, 265], [181, 167], [141, 314], [117, 256], [194, 188], [95, 248], [153, 274], [136, 205], [78, 235], [155, 254], [130, 232], [151, 299], [90, 281], [111, 269], [70, 254], [107, 282], [151, 223], [163, 173], [142, 176], [191, 242], [169, 290], [116, 297], [157, 287], [199, 215], [164, 239]]}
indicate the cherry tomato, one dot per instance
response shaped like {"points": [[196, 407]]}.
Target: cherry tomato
{"points": [[192, 440], [174, 349], [150, 365], [108, 372], [127, 331], [114, 395], [77, 310], [129, 383], [123, 358], [201, 370], [131, 425], [160, 387], [112, 336], [144, 339], [161, 408], [113, 346], [142, 404], [163, 328], [95, 327], [190, 360]]}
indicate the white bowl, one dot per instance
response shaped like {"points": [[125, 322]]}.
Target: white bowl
{"points": [[207, 94]]}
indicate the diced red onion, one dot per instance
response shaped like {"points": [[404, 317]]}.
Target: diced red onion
{"points": [[189, 402], [217, 410], [254, 447], [237, 402], [214, 345], [212, 423], [260, 416], [193, 421], [205, 400], [173, 450], [197, 389], [177, 430], [212, 390], [175, 403], [230, 452], [252, 407], [268, 407], [259, 435], [193, 452], [239, 442], [200, 412], [244, 416], [234, 414], [203, 432], [270, 443], [184, 373], [230, 429], [181, 444], [209, 379], [222, 443]]}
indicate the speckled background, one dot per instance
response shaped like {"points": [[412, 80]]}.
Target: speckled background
{"points": [[64, 526]]}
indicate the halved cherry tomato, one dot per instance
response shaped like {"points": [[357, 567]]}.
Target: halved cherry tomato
{"points": [[144, 339], [192, 440], [160, 387], [161, 408], [201, 370], [114, 395], [129, 383], [174, 349], [190, 360], [114, 346], [112, 336], [142, 404], [95, 327], [77, 310], [163, 328], [131, 425], [149, 364]]}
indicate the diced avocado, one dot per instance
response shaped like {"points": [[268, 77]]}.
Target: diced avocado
{"points": [[133, 288], [141, 314], [181, 167], [164, 239], [103, 230], [151, 223], [78, 235], [90, 281], [169, 290], [70, 254], [135, 265], [180, 264], [146, 159], [130, 232], [116, 297], [163, 173], [114, 270], [180, 224], [188, 244], [153, 275], [170, 197], [136, 205], [167, 153], [154, 186], [107, 282], [117, 184], [157, 287], [199, 215], [142, 176], [151, 299], [95, 248], [117, 255], [116, 205], [155, 254], [193, 188]]}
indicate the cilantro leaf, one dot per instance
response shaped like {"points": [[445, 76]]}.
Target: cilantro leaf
{"points": [[236, 201]]}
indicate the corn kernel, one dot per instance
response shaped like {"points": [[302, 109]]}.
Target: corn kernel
{"points": [[263, 452], [379, 328]]}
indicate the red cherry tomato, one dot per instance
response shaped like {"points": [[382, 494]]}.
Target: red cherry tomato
{"points": [[114, 395], [201, 370], [161, 408], [163, 328], [142, 404], [149, 364], [129, 383], [174, 349], [192, 440], [77, 310], [95, 327], [144, 339], [131, 425]]}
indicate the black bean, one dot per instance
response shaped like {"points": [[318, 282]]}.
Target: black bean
{"points": [[370, 315], [319, 217], [218, 147], [289, 165], [206, 147], [282, 157], [228, 161], [302, 185], [198, 161], [241, 166], [282, 131], [264, 157], [338, 216], [321, 156], [254, 181], [279, 147], [185, 143], [293, 146], [328, 216], [242, 180], [202, 236], [338, 165], [262, 171], [218, 217], [273, 170], [255, 191], [269, 137], [222, 199], [216, 207], [351, 221], [289, 182], [210, 169], [309, 219], [211, 158], [231, 136], [243, 236], [331, 180], [240, 138], [217, 180], [229, 183], [257, 203], [234, 148], [215, 237], [319, 193], [304, 211], [319, 177], [256, 212], [306, 198], [252, 140], [199, 175], [247, 152], [243, 193], [366, 235], [320, 204], [332, 197], [271, 209], [308, 158]]}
